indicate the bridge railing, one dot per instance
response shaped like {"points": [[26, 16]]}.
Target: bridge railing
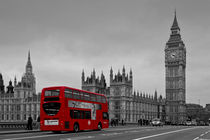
{"points": [[20, 125]]}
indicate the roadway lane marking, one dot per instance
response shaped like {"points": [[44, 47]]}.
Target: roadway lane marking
{"points": [[135, 131], [78, 138], [32, 137], [111, 134], [119, 129], [202, 135], [164, 133], [198, 138]]}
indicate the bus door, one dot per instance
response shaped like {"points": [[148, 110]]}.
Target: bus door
{"points": [[98, 115], [75, 115], [89, 119], [87, 122], [66, 115], [66, 118]]}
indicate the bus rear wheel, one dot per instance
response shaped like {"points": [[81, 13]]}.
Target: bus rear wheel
{"points": [[76, 127], [99, 126]]}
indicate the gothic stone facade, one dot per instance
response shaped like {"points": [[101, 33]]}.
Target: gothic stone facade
{"points": [[21, 101], [93, 84], [175, 65], [124, 104]]}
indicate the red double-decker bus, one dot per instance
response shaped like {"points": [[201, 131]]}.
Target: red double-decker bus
{"points": [[69, 109]]}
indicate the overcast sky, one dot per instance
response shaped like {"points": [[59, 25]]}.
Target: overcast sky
{"points": [[66, 36]]}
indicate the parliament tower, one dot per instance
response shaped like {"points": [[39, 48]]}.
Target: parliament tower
{"points": [[120, 98], [175, 69], [27, 86]]}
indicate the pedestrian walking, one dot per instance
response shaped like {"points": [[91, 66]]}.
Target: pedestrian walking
{"points": [[112, 122], [30, 122]]}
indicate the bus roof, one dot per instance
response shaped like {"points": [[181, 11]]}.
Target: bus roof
{"points": [[59, 87]]}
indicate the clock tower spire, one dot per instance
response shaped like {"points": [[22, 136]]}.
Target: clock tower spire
{"points": [[175, 64], [175, 23]]}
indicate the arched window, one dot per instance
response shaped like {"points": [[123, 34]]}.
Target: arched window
{"points": [[24, 117], [18, 116]]}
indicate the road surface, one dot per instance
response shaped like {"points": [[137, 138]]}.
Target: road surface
{"points": [[122, 133]]}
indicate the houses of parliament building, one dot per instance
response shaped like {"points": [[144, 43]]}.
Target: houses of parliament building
{"points": [[124, 103], [19, 101]]}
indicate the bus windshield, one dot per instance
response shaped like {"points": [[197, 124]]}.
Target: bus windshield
{"points": [[51, 108], [52, 92]]}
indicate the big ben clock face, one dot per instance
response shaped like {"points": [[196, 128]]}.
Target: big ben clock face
{"points": [[173, 55]]}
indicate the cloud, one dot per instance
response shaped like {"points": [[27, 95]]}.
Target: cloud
{"points": [[68, 36]]}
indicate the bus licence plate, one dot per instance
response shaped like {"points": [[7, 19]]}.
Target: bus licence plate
{"points": [[50, 122]]}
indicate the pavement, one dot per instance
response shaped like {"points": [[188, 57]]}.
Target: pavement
{"points": [[7, 131], [128, 132], [15, 131]]}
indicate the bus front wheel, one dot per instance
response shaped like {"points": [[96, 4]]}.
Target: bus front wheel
{"points": [[76, 127]]}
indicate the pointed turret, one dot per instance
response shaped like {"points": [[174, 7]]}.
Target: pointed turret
{"points": [[123, 74], [155, 96], [94, 74], [147, 95], [111, 71], [15, 81], [160, 97], [83, 76], [103, 80], [118, 73], [123, 71], [29, 65], [131, 75], [175, 37], [1, 84], [28, 79], [111, 75], [29, 59], [175, 23], [10, 87], [138, 94], [134, 93]]}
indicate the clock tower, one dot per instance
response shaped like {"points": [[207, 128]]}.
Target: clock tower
{"points": [[175, 69]]}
